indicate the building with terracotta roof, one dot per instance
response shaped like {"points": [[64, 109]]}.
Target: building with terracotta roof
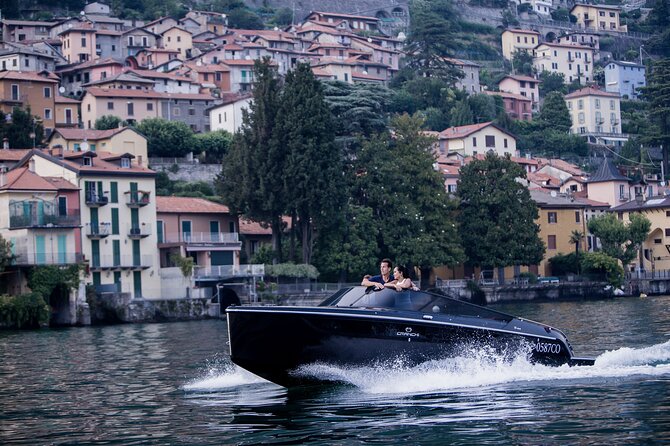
{"points": [[357, 23], [79, 43], [40, 217], [470, 140], [23, 30], [515, 39], [559, 216], [210, 76], [574, 62], [116, 196], [522, 85], [470, 80], [608, 185], [598, 17], [117, 141], [201, 229], [67, 112], [516, 106], [74, 76], [596, 114], [178, 39], [137, 105], [24, 58], [29, 89]]}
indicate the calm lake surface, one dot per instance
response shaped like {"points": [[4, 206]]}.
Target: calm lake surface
{"points": [[174, 384]]}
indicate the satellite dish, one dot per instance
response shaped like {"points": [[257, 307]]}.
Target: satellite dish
{"points": [[84, 146], [61, 90], [553, 193], [276, 29], [401, 36], [369, 39], [82, 13]]}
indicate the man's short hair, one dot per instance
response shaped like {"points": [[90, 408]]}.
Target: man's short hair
{"points": [[388, 262]]}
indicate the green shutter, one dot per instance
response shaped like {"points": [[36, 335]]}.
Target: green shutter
{"points": [[62, 248], [137, 283], [136, 253], [96, 279], [116, 249], [115, 221], [40, 254], [114, 192], [95, 253], [159, 230]]}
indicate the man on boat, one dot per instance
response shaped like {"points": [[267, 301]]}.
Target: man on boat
{"points": [[378, 281]]}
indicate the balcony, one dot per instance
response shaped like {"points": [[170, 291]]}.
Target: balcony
{"points": [[204, 239], [137, 199], [96, 200], [118, 263], [137, 232], [40, 214], [97, 231], [47, 258]]}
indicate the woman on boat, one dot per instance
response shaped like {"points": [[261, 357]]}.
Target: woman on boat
{"points": [[401, 280]]}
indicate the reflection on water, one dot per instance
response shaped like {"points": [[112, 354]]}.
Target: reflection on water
{"points": [[174, 384]]}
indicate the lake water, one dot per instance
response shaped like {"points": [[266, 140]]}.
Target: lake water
{"points": [[173, 384]]}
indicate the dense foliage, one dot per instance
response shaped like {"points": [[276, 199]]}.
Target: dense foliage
{"points": [[24, 311], [21, 128], [620, 241], [497, 215], [167, 138]]}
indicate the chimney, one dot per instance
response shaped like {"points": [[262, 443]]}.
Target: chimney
{"points": [[31, 165], [3, 175], [140, 160], [639, 199], [57, 151], [5, 143]]}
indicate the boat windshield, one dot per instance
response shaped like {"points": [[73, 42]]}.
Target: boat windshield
{"points": [[420, 301]]}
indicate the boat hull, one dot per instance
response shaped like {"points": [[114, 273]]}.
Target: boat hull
{"points": [[274, 342]]}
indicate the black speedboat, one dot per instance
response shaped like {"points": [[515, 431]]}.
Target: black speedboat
{"points": [[359, 326]]}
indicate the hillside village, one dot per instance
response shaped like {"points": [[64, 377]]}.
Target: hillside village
{"points": [[85, 195]]}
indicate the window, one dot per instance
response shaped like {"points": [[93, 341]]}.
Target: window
{"points": [[83, 41], [131, 109], [176, 111], [110, 105], [581, 117], [505, 139], [47, 92], [114, 192], [88, 161], [622, 191], [578, 217], [15, 92], [552, 217], [474, 142], [597, 103], [611, 104], [191, 111], [551, 242], [150, 106], [125, 163], [47, 113], [490, 141], [580, 104]]}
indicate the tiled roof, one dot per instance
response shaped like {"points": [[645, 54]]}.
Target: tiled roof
{"points": [[554, 200], [206, 68], [100, 165], [521, 78], [23, 179], [139, 94], [66, 100], [564, 45], [524, 31], [504, 94], [462, 131], [250, 227], [12, 154], [28, 76], [150, 74], [561, 165], [28, 23], [189, 205], [590, 91], [651, 203], [89, 134]]}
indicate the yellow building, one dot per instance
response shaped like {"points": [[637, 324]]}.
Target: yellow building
{"points": [[559, 217], [598, 17], [178, 39], [30, 89], [118, 141], [656, 248], [574, 62], [594, 111], [78, 44], [514, 40], [118, 215]]}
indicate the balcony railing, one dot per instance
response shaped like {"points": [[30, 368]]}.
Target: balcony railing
{"points": [[97, 231], [137, 199], [43, 220], [120, 262], [203, 238], [139, 231], [94, 199], [229, 271], [47, 258]]}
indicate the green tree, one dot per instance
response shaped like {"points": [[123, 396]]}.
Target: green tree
{"points": [[108, 122], [552, 82], [252, 180], [22, 129], [461, 114], [554, 115], [6, 256], [167, 138], [497, 215], [396, 179], [431, 39], [657, 93], [522, 61], [312, 173], [483, 107], [619, 240], [576, 238], [243, 18], [213, 145]]}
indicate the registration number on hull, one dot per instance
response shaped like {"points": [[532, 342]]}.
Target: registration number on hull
{"points": [[545, 347]]}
